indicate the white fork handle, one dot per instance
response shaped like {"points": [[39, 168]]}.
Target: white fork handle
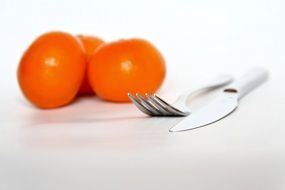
{"points": [[219, 81], [248, 81]]}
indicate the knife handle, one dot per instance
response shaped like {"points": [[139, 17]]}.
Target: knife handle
{"points": [[248, 81]]}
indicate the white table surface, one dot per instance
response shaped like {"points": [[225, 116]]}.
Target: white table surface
{"points": [[93, 144]]}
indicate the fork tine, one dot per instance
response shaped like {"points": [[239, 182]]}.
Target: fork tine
{"points": [[140, 106], [157, 104], [170, 108], [150, 106], [153, 105]]}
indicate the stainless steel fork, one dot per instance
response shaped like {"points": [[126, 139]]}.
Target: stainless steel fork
{"points": [[153, 105]]}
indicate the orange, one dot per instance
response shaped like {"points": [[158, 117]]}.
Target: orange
{"points": [[52, 69], [90, 44], [132, 65]]}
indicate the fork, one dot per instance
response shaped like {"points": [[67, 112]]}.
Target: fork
{"points": [[153, 105]]}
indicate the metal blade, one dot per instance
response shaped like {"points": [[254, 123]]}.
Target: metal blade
{"points": [[219, 108]]}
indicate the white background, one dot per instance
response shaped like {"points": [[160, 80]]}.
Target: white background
{"points": [[97, 145]]}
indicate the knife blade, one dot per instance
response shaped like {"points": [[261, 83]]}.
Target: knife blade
{"points": [[225, 103]]}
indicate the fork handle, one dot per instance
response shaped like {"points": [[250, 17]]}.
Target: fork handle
{"points": [[253, 78], [215, 83]]}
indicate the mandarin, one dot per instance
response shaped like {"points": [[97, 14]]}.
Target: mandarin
{"points": [[90, 43], [132, 65], [51, 70]]}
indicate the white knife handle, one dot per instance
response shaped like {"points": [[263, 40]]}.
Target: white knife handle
{"points": [[248, 81]]}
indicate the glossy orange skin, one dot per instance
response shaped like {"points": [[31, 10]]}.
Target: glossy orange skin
{"points": [[90, 43], [133, 65], [52, 69]]}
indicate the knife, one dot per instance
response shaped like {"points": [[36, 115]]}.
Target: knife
{"points": [[225, 103]]}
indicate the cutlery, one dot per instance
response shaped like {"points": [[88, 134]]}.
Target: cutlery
{"points": [[153, 105], [225, 103]]}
